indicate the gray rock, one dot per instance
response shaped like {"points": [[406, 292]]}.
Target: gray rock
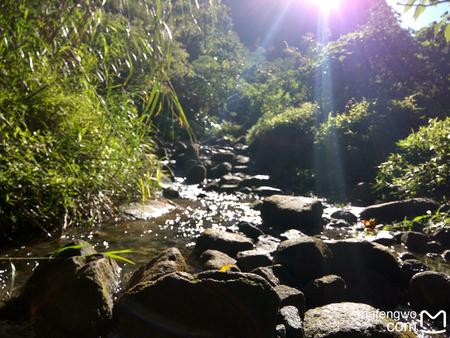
{"points": [[442, 236], [267, 191], [292, 234], [226, 242], [241, 160], [415, 241], [291, 296], [220, 170], [305, 257], [287, 212], [275, 275], [250, 230], [72, 296], [371, 272], [433, 247], [280, 331], [195, 174], [255, 181], [346, 320], [291, 320], [398, 210], [252, 259], [410, 267], [325, 290], [345, 215], [210, 304], [168, 261], [223, 156], [430, 290], [446, 256], [215, 260], [406, 255]]}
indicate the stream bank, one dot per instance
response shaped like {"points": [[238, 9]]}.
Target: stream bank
{"points": [[233, 201]]}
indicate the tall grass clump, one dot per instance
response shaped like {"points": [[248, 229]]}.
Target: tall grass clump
{"points": [[80, 82]]}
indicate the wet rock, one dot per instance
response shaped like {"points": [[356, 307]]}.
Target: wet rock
{"points": [[241, 160], [223, 156], [210, 304], [412, 266], [267, 243], [433, 247], [398, 210], [275, 275], [305, 257], [72, 296], [285, 212], [255, 181], [226, 242], [280, 331], [290, 317], [346, 320], [215, 260], [292, 234], [385, 239], [212, 186], [229, 188], [406, 255], [170, 260], [170, 193], [291, 296], [241, 169], [442, 236], [345, 215], [339, 223], [252, 259], [371, 272], [220, 170], [446, 256], [325, 290], [415, 241], [196, 174], [430, 290], [250, 230], [267, 191]]}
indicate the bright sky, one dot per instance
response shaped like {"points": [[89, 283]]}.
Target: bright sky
{"points": [[428, 16]]}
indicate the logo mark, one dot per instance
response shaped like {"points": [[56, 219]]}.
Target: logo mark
{"points": [[442, 313]]}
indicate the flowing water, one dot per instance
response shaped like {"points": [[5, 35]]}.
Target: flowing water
{"points": [[165, 223]]}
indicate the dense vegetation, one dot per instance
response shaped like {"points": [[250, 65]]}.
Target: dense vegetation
{"points": [[87, 86]]}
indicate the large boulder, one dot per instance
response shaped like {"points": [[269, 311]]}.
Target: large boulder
{"points": [[442, 236], [71, 295], [298, 212], [168, 261], [348, 320], [430, 290], [398, 210], [275, 275], [216, 260], [252, 259], [370, 270], [290, 317], [210, 304], [227, 242], [220, 169], [291, 296], [223, 156], [306, 258]]}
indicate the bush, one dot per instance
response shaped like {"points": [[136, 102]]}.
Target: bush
{"points": [[283, 143], [421, 166]]}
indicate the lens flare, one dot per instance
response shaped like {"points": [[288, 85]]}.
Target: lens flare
{"points": [[326, 6]]}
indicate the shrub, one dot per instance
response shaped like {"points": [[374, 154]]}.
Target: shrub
{"points": [[421, 166], [283, 143]]}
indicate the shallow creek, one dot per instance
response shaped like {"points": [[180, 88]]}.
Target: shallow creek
{"points": [[163, 223]]}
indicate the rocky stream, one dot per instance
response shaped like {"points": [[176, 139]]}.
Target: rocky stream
{"points": [[225, 253]]}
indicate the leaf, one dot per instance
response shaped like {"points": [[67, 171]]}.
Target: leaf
{"points": [[227, 267], [419, 10], [65, 248], [115, 254], [447, 33]]}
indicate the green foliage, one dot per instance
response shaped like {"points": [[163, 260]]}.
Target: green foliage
{"points": [[78, 93], [421, 6], [283, 143], [421, 165]]}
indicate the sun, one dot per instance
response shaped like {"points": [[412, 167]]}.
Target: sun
{"points": [[327, 6]]}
